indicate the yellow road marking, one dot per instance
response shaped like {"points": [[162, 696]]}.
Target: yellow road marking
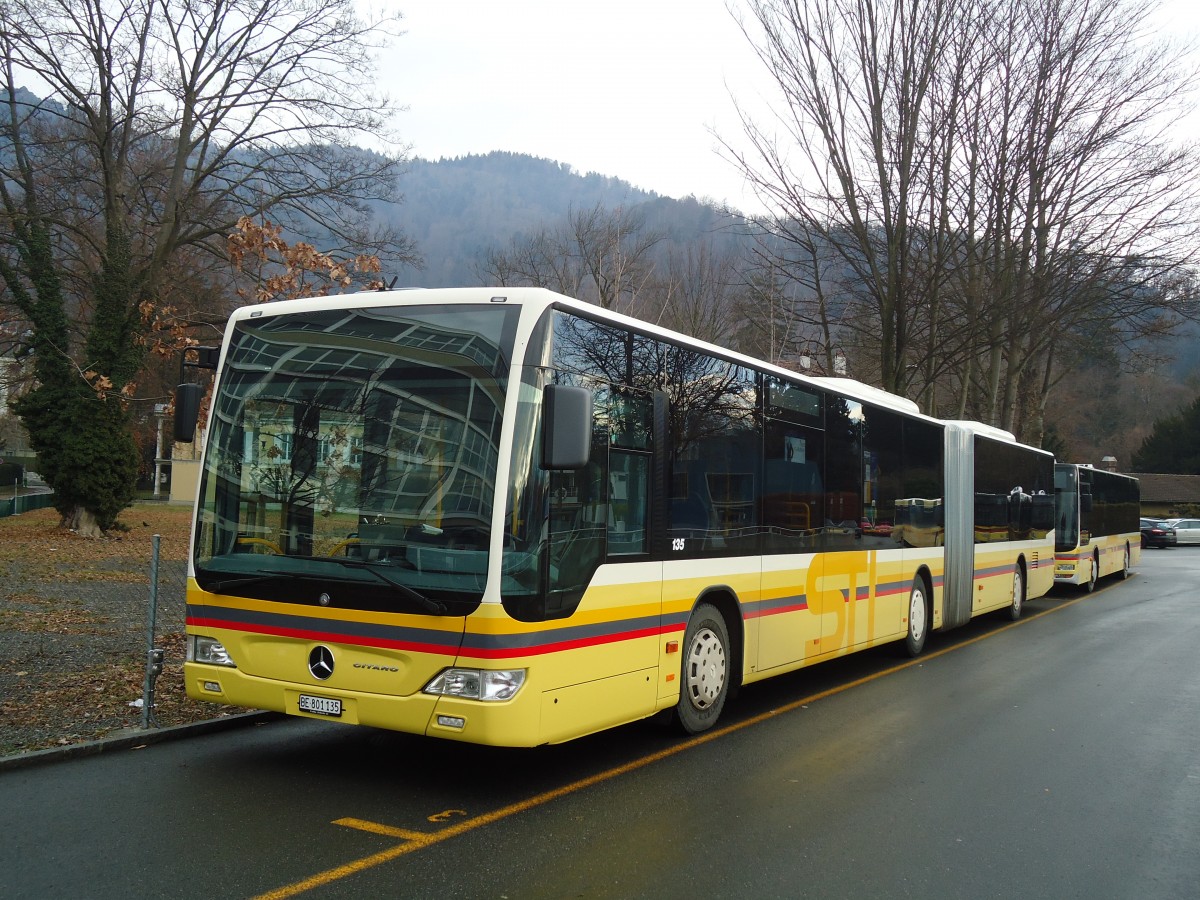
{"points": [[447, 815], [386, 830], [416, 840]]}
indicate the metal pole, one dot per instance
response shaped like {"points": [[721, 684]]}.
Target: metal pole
{"points": [[158, 452], [153, 660]]}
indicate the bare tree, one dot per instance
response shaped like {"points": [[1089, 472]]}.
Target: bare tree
{"points": [[600, 255], [995, 173], [1095, 206], [798, 308], [695, 292], [857, 79], [152, 127]]}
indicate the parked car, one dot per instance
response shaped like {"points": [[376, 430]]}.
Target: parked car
{"points": [[1187, 531], [1157, 533]]}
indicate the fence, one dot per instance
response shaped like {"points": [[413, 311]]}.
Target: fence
{"points": [[81, 619], [163, 604], [12, 506]]}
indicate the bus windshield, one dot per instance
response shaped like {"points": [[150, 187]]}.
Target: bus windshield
{"points": [[352, 458], [1066, 486]]}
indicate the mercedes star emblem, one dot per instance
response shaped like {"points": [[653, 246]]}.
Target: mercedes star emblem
{"points": [[320, 662]]}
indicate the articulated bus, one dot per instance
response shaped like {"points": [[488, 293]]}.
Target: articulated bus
{"points": [[511, 518], [1097, 524]]}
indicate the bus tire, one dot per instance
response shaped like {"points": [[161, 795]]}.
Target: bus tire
{"points": [[1017, 604], [1094, 575], [1126, 569], [918, 618], [704, 676]]}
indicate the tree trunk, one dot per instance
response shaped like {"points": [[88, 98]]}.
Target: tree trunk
{"points": [[83, 522]]}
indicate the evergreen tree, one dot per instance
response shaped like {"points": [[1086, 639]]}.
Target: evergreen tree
{"points": [[126, 177], [1173, 447]]}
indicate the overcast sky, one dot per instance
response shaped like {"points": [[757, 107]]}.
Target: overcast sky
{"points": [[628, 88]]}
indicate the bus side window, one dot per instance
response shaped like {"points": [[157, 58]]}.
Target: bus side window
{"points": [[578, 512], [628, 415], [793, 494], [629, 481]]}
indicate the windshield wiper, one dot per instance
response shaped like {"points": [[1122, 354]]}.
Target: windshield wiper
{"points": [[427, 603]]}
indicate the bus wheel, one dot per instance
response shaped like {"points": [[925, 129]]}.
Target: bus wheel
{"points": [[1093, 575], [1125, 570], [705, 677], [1018, 594], [918, 618]]}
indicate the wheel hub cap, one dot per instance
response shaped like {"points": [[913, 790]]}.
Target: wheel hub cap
{"points": [[916, 614], [706, 669]]}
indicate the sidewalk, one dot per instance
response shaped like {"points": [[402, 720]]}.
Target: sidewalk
{"points": [[134, 738]]}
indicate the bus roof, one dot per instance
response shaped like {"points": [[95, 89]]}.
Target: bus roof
{"points": [[991, 431], [533, 296]]}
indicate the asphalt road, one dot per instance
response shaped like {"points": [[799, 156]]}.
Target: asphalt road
{"points": [[1055, 757]]}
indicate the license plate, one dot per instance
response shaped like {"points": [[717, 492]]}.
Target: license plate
{"points": [[321, 706]]}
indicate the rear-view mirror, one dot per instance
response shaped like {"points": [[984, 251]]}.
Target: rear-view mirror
{"points": [[187, 411], [566, 427]]}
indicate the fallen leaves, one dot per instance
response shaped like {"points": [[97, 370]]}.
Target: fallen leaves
{"points": [[73, 629]]}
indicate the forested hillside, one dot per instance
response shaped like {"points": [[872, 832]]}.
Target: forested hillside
{"points": [[458, 209]]}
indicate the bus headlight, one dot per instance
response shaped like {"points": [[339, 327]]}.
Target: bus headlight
{"points": [[208, 650], [477, 684]]}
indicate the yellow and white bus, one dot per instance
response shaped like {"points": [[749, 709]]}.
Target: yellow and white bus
{"points": [[508, 517], [1098, 524]]}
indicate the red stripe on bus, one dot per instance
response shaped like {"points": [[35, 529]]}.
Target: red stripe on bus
{"points": [[451, 650]]}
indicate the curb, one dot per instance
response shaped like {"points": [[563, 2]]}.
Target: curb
{"points": [[127, 739]]}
